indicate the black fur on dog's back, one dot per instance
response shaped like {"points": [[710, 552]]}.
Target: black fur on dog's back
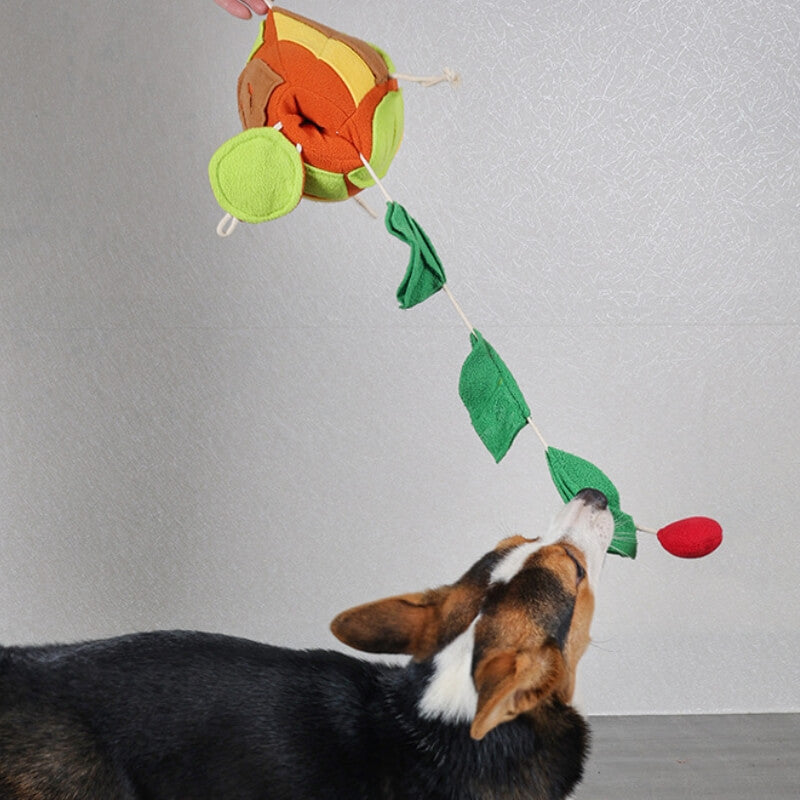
{"points": [[174, 715]]}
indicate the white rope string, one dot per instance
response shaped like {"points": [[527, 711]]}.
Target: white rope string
{"points": [[365, 206], [389, 200], [448, 75], [538, 433], [375, 178], [458, 309], [227, 225], [445, 287], [643, 529]]}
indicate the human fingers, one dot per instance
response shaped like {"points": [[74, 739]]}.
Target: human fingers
{"points": [[242, 9]]}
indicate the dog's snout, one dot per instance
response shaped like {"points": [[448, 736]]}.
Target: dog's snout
{"points": [[593, 497]]}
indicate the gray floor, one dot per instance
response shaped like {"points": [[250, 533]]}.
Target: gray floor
{"points": [[737, 757]]}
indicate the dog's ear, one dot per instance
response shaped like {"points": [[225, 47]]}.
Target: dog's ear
{"points": [[511, 682], [402, 624]]}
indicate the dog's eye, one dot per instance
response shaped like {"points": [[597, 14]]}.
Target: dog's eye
{"points": [[581, 572]]}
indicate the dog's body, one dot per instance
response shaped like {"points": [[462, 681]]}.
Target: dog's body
{"points": [[481, 712], [183, 715]]}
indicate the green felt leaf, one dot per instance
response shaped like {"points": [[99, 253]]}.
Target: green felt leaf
{"points": [[623, 542], [257, 175], [425, 273], [496, 406], [572, 473]]}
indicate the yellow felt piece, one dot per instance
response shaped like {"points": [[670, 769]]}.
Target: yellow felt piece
{"points": [[357, 76], [350, 67]]}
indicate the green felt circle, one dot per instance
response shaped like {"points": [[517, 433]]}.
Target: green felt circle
{"points": [[257, 175], [324, 185], [387, 133]]}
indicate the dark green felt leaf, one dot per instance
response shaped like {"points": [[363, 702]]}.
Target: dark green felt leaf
{"points": [[496, 406], [571, 473], [624, 541], [425, 273]]}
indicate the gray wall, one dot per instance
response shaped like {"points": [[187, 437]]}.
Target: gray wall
{"points": [[247, 435]]}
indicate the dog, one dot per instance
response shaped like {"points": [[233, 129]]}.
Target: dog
{"points": [[480, 712]]}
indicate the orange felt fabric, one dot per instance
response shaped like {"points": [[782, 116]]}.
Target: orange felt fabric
{"points": [[315, 106]]}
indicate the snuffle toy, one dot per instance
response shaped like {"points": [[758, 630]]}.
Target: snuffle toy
{"points": [[323, 118], [322, 114]]}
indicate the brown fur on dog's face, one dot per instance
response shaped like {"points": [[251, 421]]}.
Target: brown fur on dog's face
{"points": [[421, 623], [530, 635], [520, 615]]}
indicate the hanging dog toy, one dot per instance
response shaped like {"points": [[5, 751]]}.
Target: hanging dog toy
{"points": [[498, 411], [323, 118], [321, 112]]}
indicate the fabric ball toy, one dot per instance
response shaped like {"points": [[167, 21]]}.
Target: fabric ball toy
{"points": [[314, 104]]}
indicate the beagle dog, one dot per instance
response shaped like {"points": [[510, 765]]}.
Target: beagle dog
{"points": [[481, 711]]}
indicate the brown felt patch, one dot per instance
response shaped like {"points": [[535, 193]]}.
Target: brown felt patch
{"points": [[256, 84]]}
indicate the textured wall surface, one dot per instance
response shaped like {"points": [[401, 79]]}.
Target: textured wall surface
{"points": [[247, 435]]}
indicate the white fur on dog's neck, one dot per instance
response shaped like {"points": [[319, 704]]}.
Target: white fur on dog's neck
{"points": [[508, 568], [450, 695]]}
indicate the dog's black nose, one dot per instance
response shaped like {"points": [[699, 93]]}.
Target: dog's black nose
{"points": [[593, 497]]}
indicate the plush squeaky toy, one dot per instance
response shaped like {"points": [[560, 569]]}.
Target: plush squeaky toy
{"points": [[322, 113]]}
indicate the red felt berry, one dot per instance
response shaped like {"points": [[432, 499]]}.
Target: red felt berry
{"points": [[693, 537]]}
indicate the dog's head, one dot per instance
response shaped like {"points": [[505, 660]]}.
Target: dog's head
{"points": [[508, 635]]}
